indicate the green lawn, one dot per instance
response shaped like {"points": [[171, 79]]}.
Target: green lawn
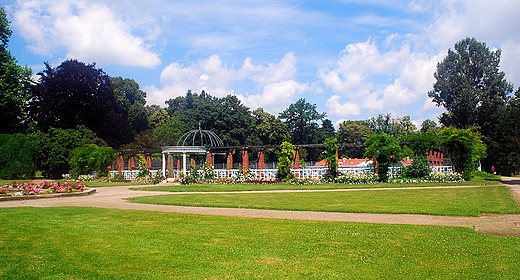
{"points": [[92, 243], [452, 202]]}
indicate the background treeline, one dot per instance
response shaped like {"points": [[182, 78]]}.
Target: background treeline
{"points": [[76, 105]]}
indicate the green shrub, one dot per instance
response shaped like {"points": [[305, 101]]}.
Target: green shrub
{"points": [[420, 168], [285, 162], [17, 157], [89, 159]]}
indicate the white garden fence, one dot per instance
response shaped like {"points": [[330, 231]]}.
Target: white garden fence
{"points": [[270, 174]]}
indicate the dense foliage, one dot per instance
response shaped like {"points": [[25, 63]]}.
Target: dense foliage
{"points": [[91, 158], [285, 162], [331, 158], [17, 157], [14, 84], [464, 147], [384, 150], [76, 93], [55, 145]]}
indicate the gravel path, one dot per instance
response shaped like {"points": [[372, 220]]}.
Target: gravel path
{"points": [[114, 197]]}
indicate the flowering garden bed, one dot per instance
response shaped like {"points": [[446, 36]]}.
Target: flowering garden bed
{"points": [[45, 189]]}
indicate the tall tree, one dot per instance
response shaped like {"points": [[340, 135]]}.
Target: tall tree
{"points": [[469, 85], [385, 150], [356, 132], [326, 130], [302, 120], [429, 126], [131, 101], [270, 129], [226, 116], [74, 94], [14, 84], [395, 127]]}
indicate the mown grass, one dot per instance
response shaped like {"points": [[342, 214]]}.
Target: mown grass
{"points": [[479, 180], [92, 243], [451, 202]]}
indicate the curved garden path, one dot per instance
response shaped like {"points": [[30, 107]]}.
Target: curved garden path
{"points": [[114, 197]]}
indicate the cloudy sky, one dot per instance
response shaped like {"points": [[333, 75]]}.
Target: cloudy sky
{"points": [[354, 59]]}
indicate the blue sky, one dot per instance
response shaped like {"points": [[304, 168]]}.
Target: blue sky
{"points": [[353, 59]]}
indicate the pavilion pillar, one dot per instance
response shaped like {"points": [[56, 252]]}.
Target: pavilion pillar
{"points": [[210, 160], [297, 163], [170, 166], [120, 164], [230, 160], [131, 163], [184, 163], [442, 159], [261, 164], [245, 160], [163, 164], [148, 162]]}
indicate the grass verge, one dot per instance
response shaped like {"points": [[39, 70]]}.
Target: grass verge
{"points": [[92, 243], [451, 202]]}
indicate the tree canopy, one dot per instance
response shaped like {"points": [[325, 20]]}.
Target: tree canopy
{"points": [[75, 93], [302, 121], [14, 84], [470, 85]]}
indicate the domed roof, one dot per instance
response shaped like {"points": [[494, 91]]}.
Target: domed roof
{"points": [[200, 137]]}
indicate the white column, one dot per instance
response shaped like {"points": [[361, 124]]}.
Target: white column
{"points": [[184, 163], [163, 165]]}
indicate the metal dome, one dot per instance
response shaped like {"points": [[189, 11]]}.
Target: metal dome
{"points": [[200, 137]]}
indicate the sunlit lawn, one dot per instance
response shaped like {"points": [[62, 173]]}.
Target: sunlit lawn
{"points": [[92, 243], [455, 202]]}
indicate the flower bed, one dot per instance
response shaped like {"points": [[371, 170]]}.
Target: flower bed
{"points": [[32, 188]]}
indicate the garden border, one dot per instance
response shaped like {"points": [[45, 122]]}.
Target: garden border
{"points": [[53, 195]]}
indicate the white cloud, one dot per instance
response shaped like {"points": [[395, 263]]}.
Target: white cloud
{"points": [[346, 110], [279, 88], [84, 31], [367, 78]]}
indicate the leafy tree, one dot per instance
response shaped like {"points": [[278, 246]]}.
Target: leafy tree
{"points": [[270, 129], [14, 84], [504, 145], [75, 94], [464, 147], [169, 132], [429, 126], [144, 140], [326, 130], [356, 132], [17, 157], [156, 115], [55, 145], [302, 121], [91, 158], [385, 150], [285, 162], [131, 100], [227, 116], [469, 85], [395, 127], [330, 158], [421, 143]]}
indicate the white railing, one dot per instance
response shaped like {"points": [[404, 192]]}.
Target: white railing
{"points": [[130, 174], [270, 173], [443, 169]]}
